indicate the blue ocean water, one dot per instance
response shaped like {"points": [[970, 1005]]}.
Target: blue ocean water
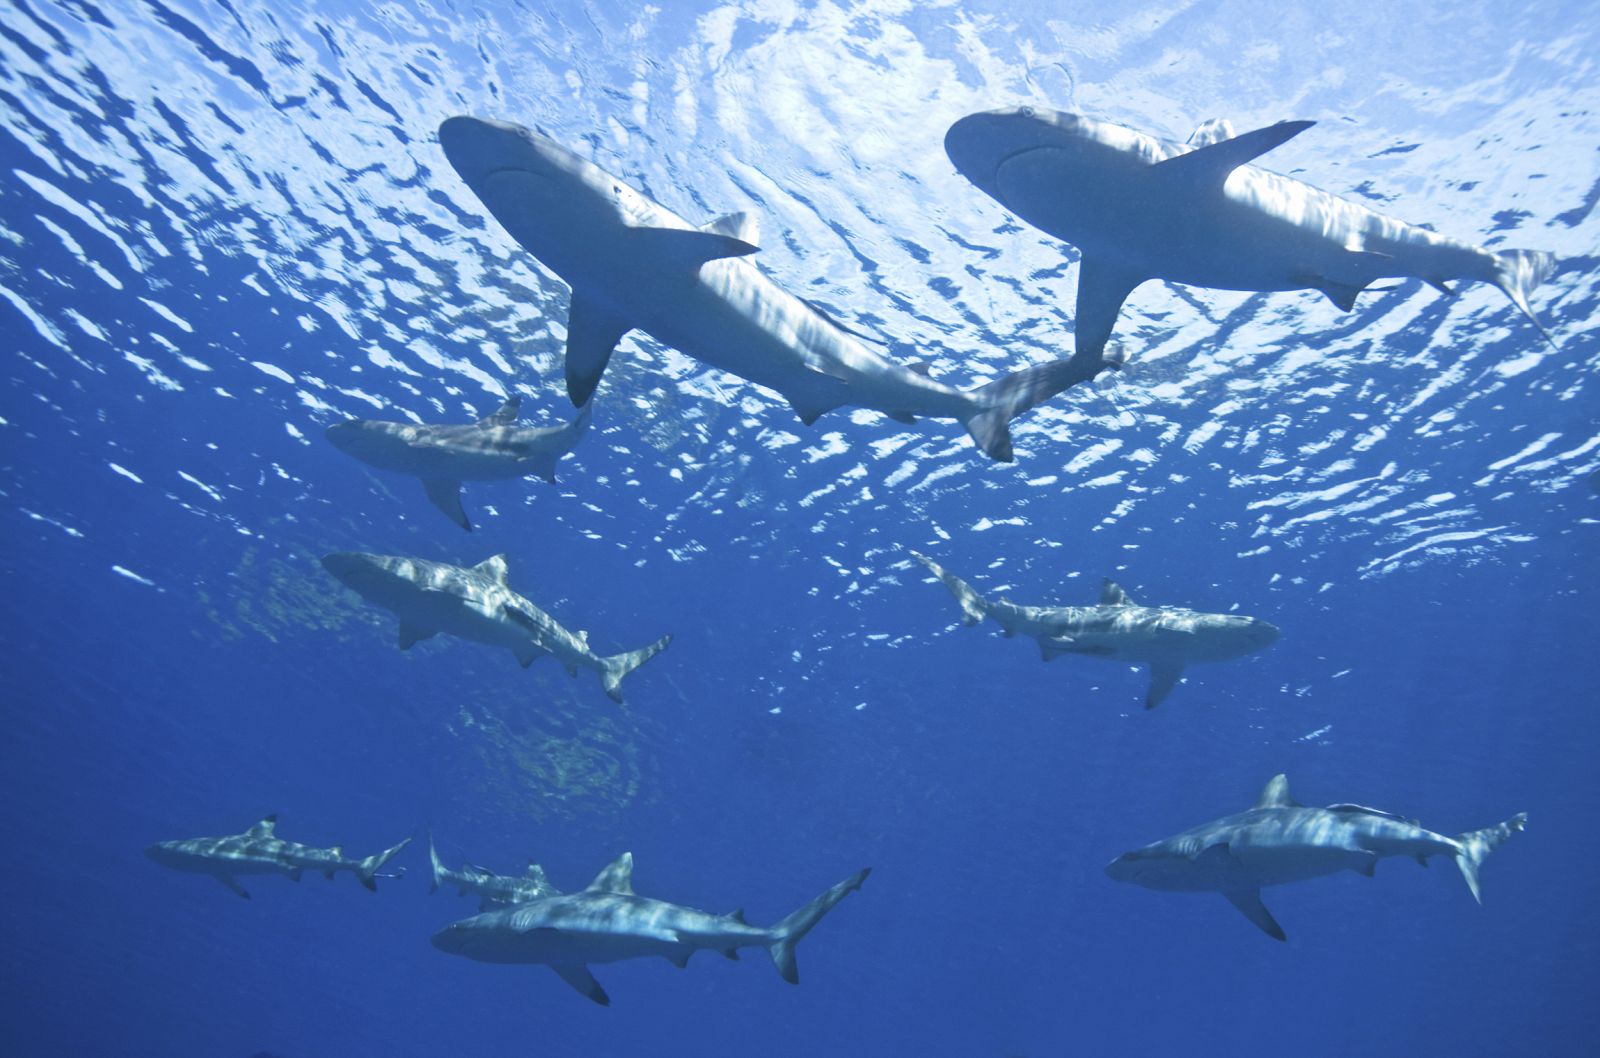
{"points": [[229, 224]]}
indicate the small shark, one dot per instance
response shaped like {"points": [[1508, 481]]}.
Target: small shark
{"points": [[608, 922], [494, 890], [260, 851], [1165, 637], [494, 448], [1142, 208], [634, 264], [1280, 840], [477, 604]]}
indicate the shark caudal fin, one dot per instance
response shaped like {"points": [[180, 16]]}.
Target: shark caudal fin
{"points": [[1477, 844], [791, 930], [972, 604], [437, 868], [1518, 273], [1005, 398], [619, 665], [368, 870]]}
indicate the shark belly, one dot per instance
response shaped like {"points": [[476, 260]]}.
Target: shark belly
{"points": [[1264, 865]]}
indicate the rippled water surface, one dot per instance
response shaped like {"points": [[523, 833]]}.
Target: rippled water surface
{"points": [[227, 225]]}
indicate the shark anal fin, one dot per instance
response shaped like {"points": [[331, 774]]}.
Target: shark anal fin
{"points": [[1208, 167], [545, 466], [679, 957], [686, 248], [592, 334], [1248, 901], [1102, 288], [232, 883], [811, 408], [579, 977], [504, 415], [411, 635], [1368, 867], [1164, 676], [445, 494]]}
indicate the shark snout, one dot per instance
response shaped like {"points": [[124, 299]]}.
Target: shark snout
{"points": [[453, 938], [351, 567], [477, 147], [979, 144]]}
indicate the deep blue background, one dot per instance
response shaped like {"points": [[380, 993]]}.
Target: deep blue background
{"points": [[985, 789]]}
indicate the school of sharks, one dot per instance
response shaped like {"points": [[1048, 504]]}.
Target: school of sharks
{"points": [[1136, 208]]}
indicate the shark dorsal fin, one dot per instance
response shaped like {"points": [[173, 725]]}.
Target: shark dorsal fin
{"points": [[338, 850], [1276, 794], [741, 226], [536, 873], [264, 828], [1208, 132], [493, 568], [616, 878], [504, 415], [736, 915], [1111, 594]]}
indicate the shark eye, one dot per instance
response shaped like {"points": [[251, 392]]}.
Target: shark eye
{"points": [[1027, 112]]}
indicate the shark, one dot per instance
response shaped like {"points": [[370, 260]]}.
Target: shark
{"points": [[633, 264], [477, 604], [1140, 207], [259, 850], [1167, 638], [494, 448], [608, 922], [494, 890], [1280, 840]]}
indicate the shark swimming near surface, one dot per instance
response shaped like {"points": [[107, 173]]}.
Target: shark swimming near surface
{"points": [[1281, 840], [1198, 213], [607, 922], [494, 890], [494, 448], [633, 264], [476, 603], [1167, 638], [259, 850]]}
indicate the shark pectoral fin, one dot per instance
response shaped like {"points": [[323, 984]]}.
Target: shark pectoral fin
{"points": [[1368, 867], [592, 334], [1164, 676], [232, 883], [1208, 167], [731, 953], [685, 248], [1248, 901], [1050, 649], [527, 654], [504, 415], [411, 635], [579, 977], [741, 226], [545, 467], [445, 494], [902, 416], [679, 957], [1102, 288]]}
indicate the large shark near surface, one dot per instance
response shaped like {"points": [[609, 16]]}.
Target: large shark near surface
{"points": [[477, 604], [494, 890], [259, 850], [633, 264], [1142, 208], [1281, 840], [494, 448], [1164, 637], [608, 922]]}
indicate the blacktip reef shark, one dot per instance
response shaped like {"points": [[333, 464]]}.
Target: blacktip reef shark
{"points": [[1165, 637], [477, 604], [494, 890], [494, 448], [259, 850], [634, 264], [608, 922], [1142, 208], [1281, 840]]}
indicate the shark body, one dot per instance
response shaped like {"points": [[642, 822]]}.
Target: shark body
{"points": [[634, 264], [1141, 208], [1280, 841], [493, 890], [477, 604], [494, 448], [1166, 638], [259, 850], [608, 922]]}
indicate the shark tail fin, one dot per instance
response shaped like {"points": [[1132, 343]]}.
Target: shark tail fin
{"points": [[1005, 398], [1519, 273], [793, 929], [437, 867], [1477, 844], [368, 870], [972, 604], [614, 668]]}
